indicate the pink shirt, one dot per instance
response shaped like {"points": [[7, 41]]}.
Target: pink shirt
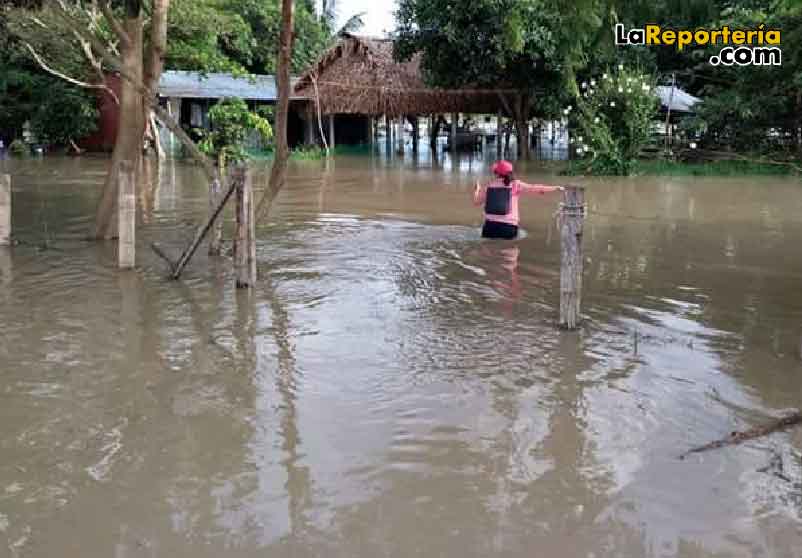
{"points": [[518, 188]]}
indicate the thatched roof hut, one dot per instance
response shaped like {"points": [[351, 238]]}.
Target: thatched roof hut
{"points": [[359, 76]]}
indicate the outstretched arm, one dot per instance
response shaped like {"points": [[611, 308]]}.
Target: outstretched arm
{"points": [[479, 194], [538, 188]]}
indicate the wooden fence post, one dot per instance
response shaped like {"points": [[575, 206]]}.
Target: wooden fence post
{"points": [[126, 221], [215, 188], [572, 214], [245, 239], [5, 209]]}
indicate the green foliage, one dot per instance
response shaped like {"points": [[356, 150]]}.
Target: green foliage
{"points": [[232, 124], [19, 148], [241, 36], [209, 36], [612, 120], [65, 113], [307, 153], [56, 110], [712, 168], [523, 44]]}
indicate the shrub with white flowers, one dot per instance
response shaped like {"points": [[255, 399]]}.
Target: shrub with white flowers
{"points": [[611, 121]]}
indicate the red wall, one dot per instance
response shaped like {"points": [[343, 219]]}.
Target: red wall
{"points": [[108, 121]]}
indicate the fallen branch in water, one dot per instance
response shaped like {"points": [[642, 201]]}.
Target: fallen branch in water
{"points": [[756, 432]]}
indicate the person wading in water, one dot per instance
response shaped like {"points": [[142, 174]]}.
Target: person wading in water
{"points": [[500, 199]]}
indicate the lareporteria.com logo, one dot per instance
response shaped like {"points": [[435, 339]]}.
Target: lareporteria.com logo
{"points": [[743, 47]]}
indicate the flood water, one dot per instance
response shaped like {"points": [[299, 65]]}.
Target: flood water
{"points": [[395, 386]]}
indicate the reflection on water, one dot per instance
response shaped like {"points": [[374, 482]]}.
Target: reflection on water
{"points": [[395, 385]]}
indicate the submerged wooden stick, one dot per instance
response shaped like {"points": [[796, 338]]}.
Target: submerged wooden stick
{"points": [[5, 209], [126, 220], [572, 215], [734, 438], [237, 176], [245, 239]]}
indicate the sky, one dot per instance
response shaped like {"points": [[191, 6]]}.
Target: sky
{"points": [[378, 15]]}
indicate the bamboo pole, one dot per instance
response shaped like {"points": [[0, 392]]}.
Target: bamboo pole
{"points": [[126, 221], [668, 113], [331, 131], [245, 239], [5, 209], [572, 214], [454, 118]]}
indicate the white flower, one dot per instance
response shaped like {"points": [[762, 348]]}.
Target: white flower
{"points": [[692, 145], [580, 138], [584, 85], [570, 107], [596, 120], [629, 90], [620, 89], [612, 103], [621, 67], [605, 76], [571, 140], [629, 80], [565, 112], [592, 82], [579, 150], [645, 87]]}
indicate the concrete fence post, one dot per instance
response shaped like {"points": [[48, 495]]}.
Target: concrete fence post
{"points": [[126, 244]]}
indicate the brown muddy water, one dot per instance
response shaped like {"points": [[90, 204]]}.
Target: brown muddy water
{"points": [[394, 386]]}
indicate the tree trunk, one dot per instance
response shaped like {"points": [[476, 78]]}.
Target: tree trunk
{"points": [[133, 107], [522, 126], [278, 173], [131, 131], [155, 64]]}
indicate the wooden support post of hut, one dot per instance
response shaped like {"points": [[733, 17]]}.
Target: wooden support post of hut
{"points": [[331, 131], [499, 132], [311, 133], [126, 221], [454, 118], [401, 130], [369, 124], [572, 214], [5, 209], [245, 239], [415, 133], [388, 135]]}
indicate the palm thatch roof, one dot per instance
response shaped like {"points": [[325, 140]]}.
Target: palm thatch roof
{"points": [[359, 76]]}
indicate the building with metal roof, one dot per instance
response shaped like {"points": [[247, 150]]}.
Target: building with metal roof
{"points": [[680, 100], [197, 85]]}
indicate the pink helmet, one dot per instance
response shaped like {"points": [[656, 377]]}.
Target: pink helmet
{"points": [[502, 168]]}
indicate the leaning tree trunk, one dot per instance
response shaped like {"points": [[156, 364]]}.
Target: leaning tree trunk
{"points": [[278, 173], [131, 130]]}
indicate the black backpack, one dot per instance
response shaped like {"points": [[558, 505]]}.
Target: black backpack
{"points": [[498, 200]]}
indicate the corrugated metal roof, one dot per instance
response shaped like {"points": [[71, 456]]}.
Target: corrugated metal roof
{"points": [[217, 86], [680, 102]]}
